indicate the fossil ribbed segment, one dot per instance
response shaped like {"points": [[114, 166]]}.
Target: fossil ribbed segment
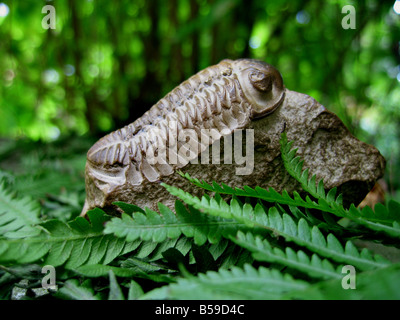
{"points": [[210, 108]]}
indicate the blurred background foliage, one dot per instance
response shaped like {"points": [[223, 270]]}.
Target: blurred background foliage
{"points": [[107, 62]]}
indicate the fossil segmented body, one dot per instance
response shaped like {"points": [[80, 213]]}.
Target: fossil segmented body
{"points": [[221, 98]]}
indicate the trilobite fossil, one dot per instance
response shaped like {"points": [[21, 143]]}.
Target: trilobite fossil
{"points": [[226, 98]]}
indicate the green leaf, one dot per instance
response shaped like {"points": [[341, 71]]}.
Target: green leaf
{"points": [[269, 195], [379, 221], [263, 251], [18, 216], [380, 284], [73, 290], [115, 290], [125, 271], [100, 270], [128, 208], [71, 244], [157, 227], [236, 284], [135, 291]]}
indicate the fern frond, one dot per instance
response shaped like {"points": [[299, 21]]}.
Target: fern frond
{"points": [[18, 216], [72, 244], [115, 292], [300, 233], [144, 265], [73, 290], [381, 213], [101, 270], [238, 284], [379, 284], [380, 220], [149, 225], [135, 291], [39, 185], [294, 166], [299, 260], [269, 195]]}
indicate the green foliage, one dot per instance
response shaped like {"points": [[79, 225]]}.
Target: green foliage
{"points": [[380, 284], [72, 244], [238, 283], [17, 216], [284, 225], [263, 251], [149, 225], [73, 290], [281, 246]]}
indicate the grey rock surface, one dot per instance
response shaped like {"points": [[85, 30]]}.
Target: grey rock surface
{"points": [[327, 147]]}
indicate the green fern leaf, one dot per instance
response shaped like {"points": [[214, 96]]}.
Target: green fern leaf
{"points": [[135, 291], [72, 290], [379, 284], [18, 216], [73, 244], [115, 290], [238, 284], [381, 220], [313, 239], [39, 185], [128, 207], [381, 213], [155, 227], [269, 195], [263, 251], [294, 166], [101, 270]]}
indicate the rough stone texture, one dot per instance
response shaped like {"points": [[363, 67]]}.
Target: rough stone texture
{"points": [[325, 144]]}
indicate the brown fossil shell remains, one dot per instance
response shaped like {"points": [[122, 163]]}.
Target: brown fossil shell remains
{"points": [[225, 97]]}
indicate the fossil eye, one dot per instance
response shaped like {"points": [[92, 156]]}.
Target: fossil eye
{"points": [[262, 86], [261, 81]]}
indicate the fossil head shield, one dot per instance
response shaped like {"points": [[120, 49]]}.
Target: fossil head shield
{"points": [[219, 101]]}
